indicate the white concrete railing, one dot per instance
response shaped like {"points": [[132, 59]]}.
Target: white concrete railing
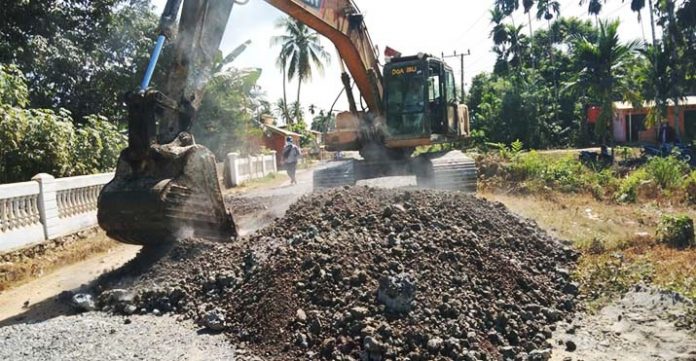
{"points": [[241, 169], [46, 208]]}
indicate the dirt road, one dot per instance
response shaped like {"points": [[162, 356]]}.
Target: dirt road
{"points": [[42, 291]]}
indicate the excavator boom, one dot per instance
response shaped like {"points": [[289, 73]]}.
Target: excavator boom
{"points": [[341, 22]]}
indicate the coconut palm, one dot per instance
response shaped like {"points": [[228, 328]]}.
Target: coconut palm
{"points": [[547, 8], [603, 75], [300, 52], [499, 31]]}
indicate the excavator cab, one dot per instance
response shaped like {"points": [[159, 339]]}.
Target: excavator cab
{"points": [[166, 186], [420, 100]]}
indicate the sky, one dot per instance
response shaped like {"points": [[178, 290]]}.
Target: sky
{"points": [[409, 26]]}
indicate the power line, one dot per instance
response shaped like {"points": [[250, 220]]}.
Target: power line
{"points": [[485, 12]]}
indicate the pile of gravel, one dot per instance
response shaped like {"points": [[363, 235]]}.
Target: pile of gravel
{"points": [[371, 274]]}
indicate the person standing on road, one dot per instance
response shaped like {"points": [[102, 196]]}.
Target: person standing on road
{"points": [[291, 155]]}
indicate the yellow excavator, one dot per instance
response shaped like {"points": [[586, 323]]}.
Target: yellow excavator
{"points": [[166, 186]]}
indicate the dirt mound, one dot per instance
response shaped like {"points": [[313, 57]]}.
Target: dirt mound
{"points": [[372, 274]]}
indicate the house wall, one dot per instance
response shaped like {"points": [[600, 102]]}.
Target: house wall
{"points": [[649, 135]]}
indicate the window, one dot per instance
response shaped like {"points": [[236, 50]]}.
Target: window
{"points": [[434, 88], [405, 95], [451, 88]]}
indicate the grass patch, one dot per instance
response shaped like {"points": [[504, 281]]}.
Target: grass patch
{"points": [[618, 242]]}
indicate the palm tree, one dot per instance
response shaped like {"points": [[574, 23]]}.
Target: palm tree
{"points": [[517, 49], [527, 5], [499, 31], [281, 109], [594, 7], [604, 71], [300, 51], [507, 6], [546, 9], [500, 37], [657, 82]]}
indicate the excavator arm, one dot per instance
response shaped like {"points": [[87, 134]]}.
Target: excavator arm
{"points": [[166, 186], [341, 22]]}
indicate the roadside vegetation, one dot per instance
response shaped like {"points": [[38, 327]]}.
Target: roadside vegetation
{"points": [[666, 180], [612, 213], [618, 241], [48, 141]]}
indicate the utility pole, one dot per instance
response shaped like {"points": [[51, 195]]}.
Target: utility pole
{"points": [[461, 57]]}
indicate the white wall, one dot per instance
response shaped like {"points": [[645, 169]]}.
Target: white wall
{"points": [[47, 208], [242, 169]]}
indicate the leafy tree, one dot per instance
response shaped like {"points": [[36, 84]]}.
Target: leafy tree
{"points": [[300, 51], [46, 141], [603, 74], [227, 112], [81, 55]]}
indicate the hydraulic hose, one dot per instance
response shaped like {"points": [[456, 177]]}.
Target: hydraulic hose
{"points": [[166, 29]]}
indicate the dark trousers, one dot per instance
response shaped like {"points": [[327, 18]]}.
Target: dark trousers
{"points": [[292, 169]]}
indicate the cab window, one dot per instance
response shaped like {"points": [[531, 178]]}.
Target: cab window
{"points": [[434, 88], [451, 88]]}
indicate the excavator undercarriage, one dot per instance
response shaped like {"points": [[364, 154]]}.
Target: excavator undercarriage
{"points": [[447, 171]]}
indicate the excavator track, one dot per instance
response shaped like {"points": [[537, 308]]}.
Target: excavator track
{"points": [[335, 175], [452, 171]]}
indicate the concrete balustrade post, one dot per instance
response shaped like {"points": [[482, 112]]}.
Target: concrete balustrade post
{"points": [[263, 165], [48, 203], [275, 165], [232, 173]]}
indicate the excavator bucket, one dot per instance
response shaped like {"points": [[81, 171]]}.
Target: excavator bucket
{"points": [[166, 186], [162, 193]]}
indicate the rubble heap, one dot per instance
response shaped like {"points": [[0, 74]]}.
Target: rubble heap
{"points": [[372, 274]]}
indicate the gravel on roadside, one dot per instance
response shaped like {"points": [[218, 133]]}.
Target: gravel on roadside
{"points": [[98, 336]]}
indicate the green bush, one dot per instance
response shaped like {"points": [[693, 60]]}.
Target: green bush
{"points": [[46, 141], [667, 172], [676, 231], [526, 166], [533, 171], [628, 188], [690, 187]]}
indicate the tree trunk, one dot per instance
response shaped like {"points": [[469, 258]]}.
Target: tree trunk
{"points": [[296, 108], [652, 24], [655, 56], [285, 97], [553, 66], [531, 40], [676, 72]]}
